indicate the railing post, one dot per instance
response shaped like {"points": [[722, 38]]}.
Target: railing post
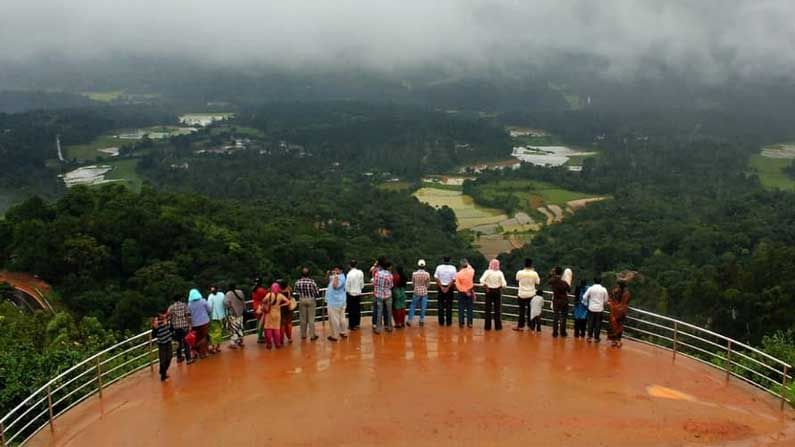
{"points": [[49, 407], [99, 376], [2, 434], [151, 361], [784, 387], [676, 337], [728, 360]]}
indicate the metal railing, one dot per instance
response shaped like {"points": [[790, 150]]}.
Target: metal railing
{"points": [[92, 375]]}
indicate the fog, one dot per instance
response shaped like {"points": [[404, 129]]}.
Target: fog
{"points": [[712, 39]]}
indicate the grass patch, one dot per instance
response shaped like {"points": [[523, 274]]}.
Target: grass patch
{"points": [[104, 96], [577, 160], [771, 172], [89, 151], [442, 186], [125, 170], [531, 193], [546, 140]]}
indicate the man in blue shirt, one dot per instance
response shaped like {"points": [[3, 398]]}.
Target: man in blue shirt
{"points": [[335, 303]]}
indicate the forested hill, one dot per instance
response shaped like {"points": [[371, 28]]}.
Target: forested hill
{"points": [[121, 256], [27, 140], [712, 246]]}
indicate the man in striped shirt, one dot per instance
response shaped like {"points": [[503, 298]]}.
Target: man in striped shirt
{"points": [[179, 317], [162, 331], [421, 280], [308, 293], [382, 291]]}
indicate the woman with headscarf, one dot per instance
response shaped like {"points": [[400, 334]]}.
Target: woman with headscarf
{"points": [[493, 280], [399, 280], [619, 305], [200, 320], [271, 310], [568, 276], [580, 309]]}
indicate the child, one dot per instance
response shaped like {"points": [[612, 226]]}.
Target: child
{"points": [[580, 310], [163, 332], [536, 308]]}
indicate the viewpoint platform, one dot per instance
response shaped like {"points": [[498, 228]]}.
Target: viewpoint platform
{"points": [[431, 386]]}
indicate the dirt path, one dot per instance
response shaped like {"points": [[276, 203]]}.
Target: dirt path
{"points": [[557, 211], [579, 204], [549, 215]]}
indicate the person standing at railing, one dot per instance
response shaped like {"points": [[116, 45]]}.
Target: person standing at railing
{"points": [[217, 316], [286, 329], [354, 283], [382, 291], [308, 294], [163, 332], [596, 296], [445, 279], [399, 280], [272, 306], [421, 280], [179, 316], [528, 280], [619, 305], [257, 295], [493, 280], [560, 302], [580, 310], [235, 303], [200, 319], [465, 285], [335, 303]]}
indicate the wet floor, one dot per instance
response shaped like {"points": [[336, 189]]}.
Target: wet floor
{"points": [[431, 386]]}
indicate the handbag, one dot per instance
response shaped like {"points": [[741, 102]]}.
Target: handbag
{"points": [[190, 339], [293, 303]]}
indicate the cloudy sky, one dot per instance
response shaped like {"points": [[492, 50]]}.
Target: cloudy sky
{"points": [[712, 38]]}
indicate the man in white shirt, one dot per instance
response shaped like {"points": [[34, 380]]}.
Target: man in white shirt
{"points": [[596, 296], [493, 280], [528, 280], [445, 283], [353, 288]]}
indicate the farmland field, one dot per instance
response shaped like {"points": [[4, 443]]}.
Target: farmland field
{"points": [[469, 214]]}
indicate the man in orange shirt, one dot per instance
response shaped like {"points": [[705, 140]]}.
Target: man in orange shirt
{"points": [[465, 284]]}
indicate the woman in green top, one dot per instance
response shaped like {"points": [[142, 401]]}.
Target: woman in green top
{"points": [[399, 297]]}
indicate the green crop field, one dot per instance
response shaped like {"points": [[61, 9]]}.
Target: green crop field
{"points": [[771, 172], [525, 190], [125, 170]]}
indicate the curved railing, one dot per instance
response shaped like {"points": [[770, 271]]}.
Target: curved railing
{"points": [[92, 375]]}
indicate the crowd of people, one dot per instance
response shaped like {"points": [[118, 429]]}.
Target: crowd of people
{"points": [[199, 326]]}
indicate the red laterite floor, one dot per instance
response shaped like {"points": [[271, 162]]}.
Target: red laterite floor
{"points": [[431, 386]]}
